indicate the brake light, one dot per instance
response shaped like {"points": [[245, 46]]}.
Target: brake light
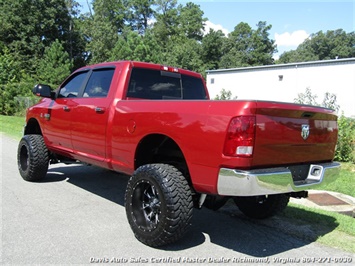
{"points": [[240, 137], [170, 69]]}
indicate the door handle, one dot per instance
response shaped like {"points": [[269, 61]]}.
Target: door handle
{"points": [[66, 108], [99, 110]]}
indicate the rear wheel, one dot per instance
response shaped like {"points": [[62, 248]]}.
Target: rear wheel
{"points": [[261, 207], [215, 202], [158, 204], [32, 158]]}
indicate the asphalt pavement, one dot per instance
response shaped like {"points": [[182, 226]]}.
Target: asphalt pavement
{"points": [[77, 216]]}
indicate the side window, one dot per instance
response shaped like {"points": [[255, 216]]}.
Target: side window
{"points": [[193, 88], [99, 83], [72, 86], [162, 85], [154, 84]]}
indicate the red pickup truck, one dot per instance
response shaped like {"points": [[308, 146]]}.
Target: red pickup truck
{"points": [[157, 124]]}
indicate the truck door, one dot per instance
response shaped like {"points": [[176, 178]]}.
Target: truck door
{"points": [[57, 127], [90, 116]]}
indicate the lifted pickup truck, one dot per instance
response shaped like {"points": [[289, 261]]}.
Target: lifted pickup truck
{"points": [[157, 124]]}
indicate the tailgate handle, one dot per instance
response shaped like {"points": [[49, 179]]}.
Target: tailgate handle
{"points": [[307, 114]]}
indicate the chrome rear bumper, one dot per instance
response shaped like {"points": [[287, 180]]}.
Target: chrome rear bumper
{"points": [[232, 182]]}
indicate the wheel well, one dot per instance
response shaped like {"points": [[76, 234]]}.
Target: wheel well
{"points": [[33, 127], [159, 148]]}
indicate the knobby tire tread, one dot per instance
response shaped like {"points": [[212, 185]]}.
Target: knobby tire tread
{"points": [[38, 157], [179, 204]]}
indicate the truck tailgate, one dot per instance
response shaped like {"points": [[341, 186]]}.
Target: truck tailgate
{"points": [[293, 134]]}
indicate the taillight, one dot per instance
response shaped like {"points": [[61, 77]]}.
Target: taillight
{"points": [[240, 137]]}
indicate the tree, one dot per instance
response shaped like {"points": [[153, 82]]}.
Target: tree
{"points": [[15, 84], [185, 54], [55, 65], [263, 47], [333, 44], [28, 26], [139, 14], [9, 67], [211, 51], [75, 46], [166, 20], [247, 47], [103, 28], [191, 21]]}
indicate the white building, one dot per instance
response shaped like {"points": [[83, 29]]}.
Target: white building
{"points": [[285, 81]]}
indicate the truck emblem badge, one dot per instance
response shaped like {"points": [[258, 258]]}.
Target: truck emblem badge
{"points": [[305, 131]]}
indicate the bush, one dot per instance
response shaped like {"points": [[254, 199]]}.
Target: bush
{"points": [[16, 97], [345, 151]]}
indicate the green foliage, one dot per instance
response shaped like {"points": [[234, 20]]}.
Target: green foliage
{"points": [[185, 55], [225, 95], [55, 65], [132, 46], [345, 151], [329, 100], [15, 97], [191, 21], [139, 13], [166, 21], [344, 183], [9, 68], [211, 52], [306, 98], [15, 85], [28, 26], [322, 46], [247, 47], [12, 125], [44, 40]]}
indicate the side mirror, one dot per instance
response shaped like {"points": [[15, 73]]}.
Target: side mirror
{"points": [[42, 90]]}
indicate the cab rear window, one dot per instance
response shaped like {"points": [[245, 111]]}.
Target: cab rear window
{"points": [[160, 85]]}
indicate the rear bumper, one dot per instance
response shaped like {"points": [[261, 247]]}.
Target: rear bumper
{"points": [[232, 182]]}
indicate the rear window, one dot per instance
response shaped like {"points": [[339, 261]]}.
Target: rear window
{"points": [[159, 85]]}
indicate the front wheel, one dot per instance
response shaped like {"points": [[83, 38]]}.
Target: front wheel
{"points": [[158, 204], [261, 207], [32, 158]]}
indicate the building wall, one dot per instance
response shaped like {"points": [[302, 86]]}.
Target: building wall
{"points": [[285, 82]]}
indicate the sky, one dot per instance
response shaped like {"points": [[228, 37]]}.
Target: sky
{"points": [[292, 21]]}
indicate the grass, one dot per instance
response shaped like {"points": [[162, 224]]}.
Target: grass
{"points": [[12, 125], [345, 182], [325, 227], [329, 228]]}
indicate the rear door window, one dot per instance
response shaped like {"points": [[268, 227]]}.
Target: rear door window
{"points": [[159, 85], [99, 83]]}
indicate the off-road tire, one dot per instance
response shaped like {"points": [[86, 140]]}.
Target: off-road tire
{"points": [[260, 207], [32, 158], [158, 204]]}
